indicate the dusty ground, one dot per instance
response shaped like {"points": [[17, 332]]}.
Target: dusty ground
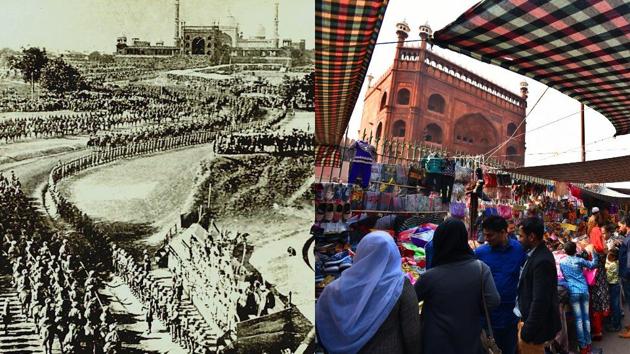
{"points": [[24, 150], [302, 120], [141, 197]]}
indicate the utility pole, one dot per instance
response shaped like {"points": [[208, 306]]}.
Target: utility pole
{"points": [[583, 132]]}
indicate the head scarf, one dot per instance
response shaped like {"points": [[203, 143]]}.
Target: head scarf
{"points": [[352, 308], [450, 243]]}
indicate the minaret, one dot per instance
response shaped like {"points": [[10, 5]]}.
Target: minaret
{"points": [[276, 36], [402, 31], [425, 34], [176, 23], [370, 77], [524, 90]]}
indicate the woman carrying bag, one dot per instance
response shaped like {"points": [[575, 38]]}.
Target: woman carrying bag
{"points": [[453, 291]]}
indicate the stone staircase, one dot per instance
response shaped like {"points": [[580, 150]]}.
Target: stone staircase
{"points": [[22, 337]]}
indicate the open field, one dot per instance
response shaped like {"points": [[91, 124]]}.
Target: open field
{"points": [[138, 198]]}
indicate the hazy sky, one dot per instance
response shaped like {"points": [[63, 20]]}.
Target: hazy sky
{"points": [[87, 25], [548, 145]]}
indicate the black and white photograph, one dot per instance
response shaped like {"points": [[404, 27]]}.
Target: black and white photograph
{"points": [[156, 162]]}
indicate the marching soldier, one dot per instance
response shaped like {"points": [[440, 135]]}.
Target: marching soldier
{"points": [[112, 340]]}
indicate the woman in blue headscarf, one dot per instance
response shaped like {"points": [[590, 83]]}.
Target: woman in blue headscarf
{"points": [[372, 307]]}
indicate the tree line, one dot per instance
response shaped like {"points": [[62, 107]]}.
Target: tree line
{"points": [[52, 74]]}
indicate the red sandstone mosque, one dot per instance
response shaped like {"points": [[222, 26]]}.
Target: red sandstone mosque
{"points": [[426, 98]]}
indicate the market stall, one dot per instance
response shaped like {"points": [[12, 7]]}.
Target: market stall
{"points": [[409, 194]]}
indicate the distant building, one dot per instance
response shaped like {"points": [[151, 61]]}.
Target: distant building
{"points": [[143, 48], [204, 40], [424, 97]]}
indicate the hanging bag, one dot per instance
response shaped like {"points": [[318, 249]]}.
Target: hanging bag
{"points": [[487, 340], [458, 210], [590, 275]]}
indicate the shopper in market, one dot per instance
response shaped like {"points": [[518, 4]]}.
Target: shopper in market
{"points": [[624, 266], [572, 268], [505, 257], [614, 291], [372, 307], [600, 301], [452, 293], [537, 301]]}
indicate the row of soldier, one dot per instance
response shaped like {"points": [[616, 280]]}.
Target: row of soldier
{"points": [[55, 290], [238, 111], [295, 142], [160, 301], [45, 126]]}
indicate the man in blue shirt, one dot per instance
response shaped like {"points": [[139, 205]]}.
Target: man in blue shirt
{"points": [[624, 267], [512, 230], [505, 257], [428, 254]]}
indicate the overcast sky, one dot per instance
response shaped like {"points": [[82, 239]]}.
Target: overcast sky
{"points": [[556, 143], [87, 25]]}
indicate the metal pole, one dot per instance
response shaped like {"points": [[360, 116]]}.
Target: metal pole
{"points": [[583, 132]]}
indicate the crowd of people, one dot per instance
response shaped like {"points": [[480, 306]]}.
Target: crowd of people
{"points": [[56, 125], [162, 303], [295, 142], [214, 281], [527, 273], [55, 290], [151, 133]]}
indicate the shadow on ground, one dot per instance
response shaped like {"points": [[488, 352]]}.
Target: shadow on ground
{"points": [[128, 235]]}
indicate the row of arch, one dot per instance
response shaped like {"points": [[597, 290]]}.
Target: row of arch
{"points": [[463, 134], [436, 102], [399, 131]]}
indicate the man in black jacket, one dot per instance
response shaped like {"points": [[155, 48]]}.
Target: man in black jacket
{"points": [[537, 302]]}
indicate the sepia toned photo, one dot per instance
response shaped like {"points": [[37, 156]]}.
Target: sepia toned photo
{"points": [[156, 162]]}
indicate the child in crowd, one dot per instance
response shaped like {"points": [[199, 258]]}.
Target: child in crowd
{"points": [[614, 290], [572, 268]]}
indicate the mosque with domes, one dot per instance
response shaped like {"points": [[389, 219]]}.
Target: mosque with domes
{"points": [[204, 40]]}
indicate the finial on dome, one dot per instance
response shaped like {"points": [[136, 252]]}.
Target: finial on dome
{"points": [[425, 31], [524, 89]]}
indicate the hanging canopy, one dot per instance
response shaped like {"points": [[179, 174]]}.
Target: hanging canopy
{"points": [[580, 48], [614, 169], [621, 190], [345, 35], [605, 194]]}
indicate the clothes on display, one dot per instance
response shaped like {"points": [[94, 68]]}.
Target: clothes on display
{"points": [[361, 167], [409, 201]]}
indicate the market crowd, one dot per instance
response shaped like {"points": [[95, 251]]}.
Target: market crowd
{"points": [[548, 287], [55, 290]]}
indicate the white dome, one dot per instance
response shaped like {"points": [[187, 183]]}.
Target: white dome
{"points": [[260, 32], [230, 21]]}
